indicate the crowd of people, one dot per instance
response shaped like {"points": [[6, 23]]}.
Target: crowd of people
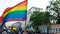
{"points": [[20, 31], [17, 31]]}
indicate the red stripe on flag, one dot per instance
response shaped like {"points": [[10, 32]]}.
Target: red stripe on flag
{"points": [[1, 19]]}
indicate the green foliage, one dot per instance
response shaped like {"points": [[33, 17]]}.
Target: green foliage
{"points": [[28, 26], [58, 21], [55, 6], [39, 18]]}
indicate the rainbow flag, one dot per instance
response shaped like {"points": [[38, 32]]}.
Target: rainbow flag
{"points": [[1, 19], [16, 13]]}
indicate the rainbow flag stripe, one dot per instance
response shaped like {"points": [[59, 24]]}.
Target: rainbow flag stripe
{"points": [[20, 6], [16, 13]]}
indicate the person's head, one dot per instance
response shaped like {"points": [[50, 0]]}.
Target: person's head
{"points": [[20, 28], [3, 30]]}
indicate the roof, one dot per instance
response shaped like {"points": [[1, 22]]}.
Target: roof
{"points": [[35, 8], [52, 25]]}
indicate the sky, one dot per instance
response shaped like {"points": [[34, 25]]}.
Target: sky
{"points": [[35, 3]]}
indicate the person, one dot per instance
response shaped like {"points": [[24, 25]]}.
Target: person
{"points": [[12, 32], [0, 31], [25, 32], [29, 32], [4, 32], [19, 32]]}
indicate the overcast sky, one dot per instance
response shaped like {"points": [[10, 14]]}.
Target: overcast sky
{"points": [[10, 3]]}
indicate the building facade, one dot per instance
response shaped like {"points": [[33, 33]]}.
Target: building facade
{"points": [[54, 28]]}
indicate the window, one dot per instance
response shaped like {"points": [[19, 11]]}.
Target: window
{"points": [[56, 29], [59, 29], [53, 30]]}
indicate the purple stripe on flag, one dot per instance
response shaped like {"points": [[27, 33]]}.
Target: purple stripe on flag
{"points": [[16, 19]]}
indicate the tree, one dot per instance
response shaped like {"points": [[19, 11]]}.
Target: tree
{"points": [[54, 8], [36, 18], [40, 18]]}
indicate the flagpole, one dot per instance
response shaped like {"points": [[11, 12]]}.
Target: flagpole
{"points": [[26, 18], [25, 24]]}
